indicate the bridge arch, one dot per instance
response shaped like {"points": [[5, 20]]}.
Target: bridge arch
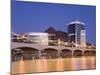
{"points": [[15, 55], [66, 53], [89, 53], [77, 53], [49, 53], [25, 53]]}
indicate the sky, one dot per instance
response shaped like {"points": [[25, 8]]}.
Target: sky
{"points": [[38, 16]]}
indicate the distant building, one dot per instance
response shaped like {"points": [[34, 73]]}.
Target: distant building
{"points": [[56, 37], [38, 38], [31, 37], [14, 37], [77, 33]]}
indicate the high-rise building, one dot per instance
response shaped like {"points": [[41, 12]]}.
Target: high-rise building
{"points": [[77, 33]]}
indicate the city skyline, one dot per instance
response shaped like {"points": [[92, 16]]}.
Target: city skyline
{"points": [[37, 17]]}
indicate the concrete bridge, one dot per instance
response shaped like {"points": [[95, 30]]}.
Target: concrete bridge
{"points": [[35, 51]]}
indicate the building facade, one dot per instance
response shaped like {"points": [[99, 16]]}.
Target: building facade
{"points": [[38, 38], [57, 37], [77, 33]]}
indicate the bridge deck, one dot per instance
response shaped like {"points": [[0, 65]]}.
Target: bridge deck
{"points": [[41, 47]]}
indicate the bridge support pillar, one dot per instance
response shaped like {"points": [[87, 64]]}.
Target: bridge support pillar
{"points": [[72, 53], [83, 52], [59, 53], [40, 54]]}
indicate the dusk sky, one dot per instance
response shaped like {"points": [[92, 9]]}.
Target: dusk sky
{"points": [[38, 16]]}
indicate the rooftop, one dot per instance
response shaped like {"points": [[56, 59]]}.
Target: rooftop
{"points": [[76, 22]]}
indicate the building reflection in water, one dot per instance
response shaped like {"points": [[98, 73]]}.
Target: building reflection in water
{"points": [[48, 65]]}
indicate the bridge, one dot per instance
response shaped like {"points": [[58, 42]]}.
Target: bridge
{"points": [[29, 51]]}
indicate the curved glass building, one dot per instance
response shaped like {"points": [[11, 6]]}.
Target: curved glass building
{"points": [[77, 33]]}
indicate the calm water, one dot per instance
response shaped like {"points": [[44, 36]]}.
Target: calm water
{"points": [[47, 65]]}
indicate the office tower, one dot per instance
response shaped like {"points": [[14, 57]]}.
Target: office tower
{"points": [[77, 33]]}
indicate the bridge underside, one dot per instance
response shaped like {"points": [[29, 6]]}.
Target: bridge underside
{"points": [[66, 53], [90, 53], [27, 53], [77, 53], [49, 53]]}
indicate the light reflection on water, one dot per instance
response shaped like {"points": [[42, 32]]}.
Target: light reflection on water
{"points": [[47, 65]]}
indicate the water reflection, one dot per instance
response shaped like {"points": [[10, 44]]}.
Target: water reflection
{"points": [[47, 65], [59, 65]]}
